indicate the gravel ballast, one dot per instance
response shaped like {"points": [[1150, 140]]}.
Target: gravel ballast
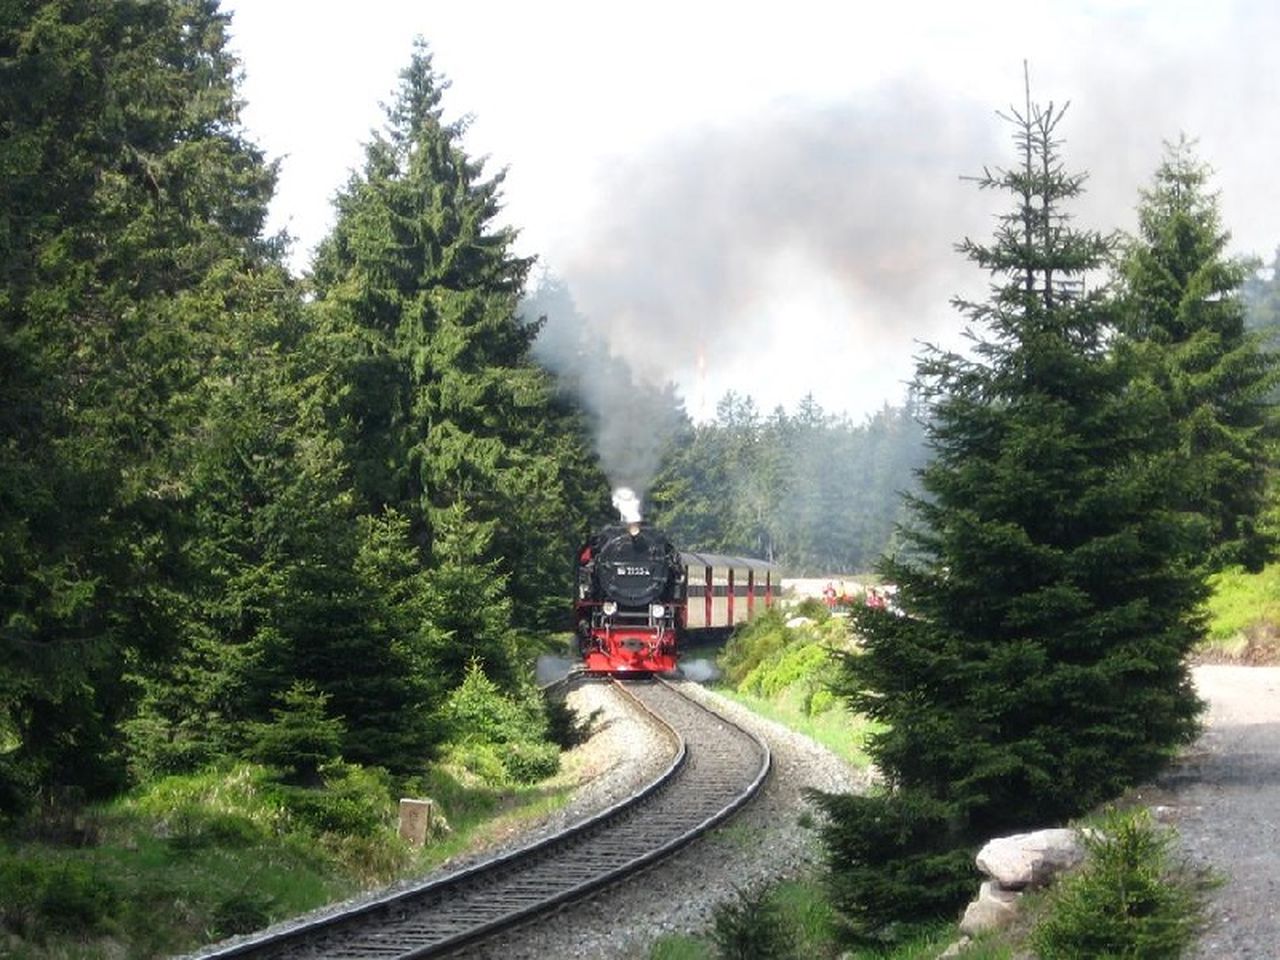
{"points": [[763, 843], [1220, 797]]}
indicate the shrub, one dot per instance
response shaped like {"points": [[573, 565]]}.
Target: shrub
{"points": [[158, 746], [59, 895], [17, 781], [751, 645], [481, 760], [1128, 901], [751, 927], [530, 762], [301, 737], [499, 737], [820, 701], [813, 608], [796, 663], [766, 657], [894, 855], [477, 709], [354, 801]]}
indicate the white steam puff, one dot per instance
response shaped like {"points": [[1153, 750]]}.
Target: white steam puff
{"points": [[628, 504]]}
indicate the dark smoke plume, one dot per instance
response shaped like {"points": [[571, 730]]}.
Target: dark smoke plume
{"points": [[695, 247], [631, 419], [692, 244]]}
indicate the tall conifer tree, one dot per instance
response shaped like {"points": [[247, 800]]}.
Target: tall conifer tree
{"points": [[447, 419], [1185, 314], [1046, 591], [130, 203]]}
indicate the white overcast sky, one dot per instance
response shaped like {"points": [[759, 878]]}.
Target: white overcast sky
{"points": [[774, 185]]}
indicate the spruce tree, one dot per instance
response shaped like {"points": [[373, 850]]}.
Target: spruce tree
{"points": [[1047, 598], [1185, 316], [446, 419], [131, 204]]}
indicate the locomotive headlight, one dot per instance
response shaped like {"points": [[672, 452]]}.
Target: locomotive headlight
{"points": [[610, 608], [657, 611], [634, 529]]}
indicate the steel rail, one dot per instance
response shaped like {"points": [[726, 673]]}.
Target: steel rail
{"points": [[697, 790]]}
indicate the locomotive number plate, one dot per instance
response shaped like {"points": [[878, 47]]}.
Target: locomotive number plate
{"points": [[626, 571]]}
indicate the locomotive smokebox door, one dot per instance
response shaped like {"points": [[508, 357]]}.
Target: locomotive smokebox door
{"points": [[633, 569]]}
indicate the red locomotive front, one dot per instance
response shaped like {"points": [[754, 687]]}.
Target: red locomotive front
{"points": [[630, 600]]}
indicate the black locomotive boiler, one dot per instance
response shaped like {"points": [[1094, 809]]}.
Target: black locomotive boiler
{"points": [[638, 598]]}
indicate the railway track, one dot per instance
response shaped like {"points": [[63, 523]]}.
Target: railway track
{"points": [[717, 767]]}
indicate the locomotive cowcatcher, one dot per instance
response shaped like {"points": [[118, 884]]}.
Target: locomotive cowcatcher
{"points": [[630, 600]]}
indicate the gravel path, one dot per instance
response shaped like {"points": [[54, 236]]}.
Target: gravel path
{"points": [[1222, 798]]}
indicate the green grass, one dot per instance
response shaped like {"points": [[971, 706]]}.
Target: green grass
{"points": [[681, 946], [838, 729], [1244, 614], [142, 895], [192, 859]]}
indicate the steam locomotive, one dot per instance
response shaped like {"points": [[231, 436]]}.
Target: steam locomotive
{"points": [[638, 598]]}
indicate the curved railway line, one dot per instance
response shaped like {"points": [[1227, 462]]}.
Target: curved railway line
{"points": [[717, 767]]}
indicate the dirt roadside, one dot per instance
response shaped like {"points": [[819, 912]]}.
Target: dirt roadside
{"points": [[1223, 797]]}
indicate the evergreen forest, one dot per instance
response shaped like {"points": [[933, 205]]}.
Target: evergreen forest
{"points": [[310, 533], [246, 515]]}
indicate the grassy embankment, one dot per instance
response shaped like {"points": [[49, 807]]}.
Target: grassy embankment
{"points": [[1244, 617], [784, 673], [189, 859]]}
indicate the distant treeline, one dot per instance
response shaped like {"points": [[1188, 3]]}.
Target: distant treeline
{"points": [[811, 491]]}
